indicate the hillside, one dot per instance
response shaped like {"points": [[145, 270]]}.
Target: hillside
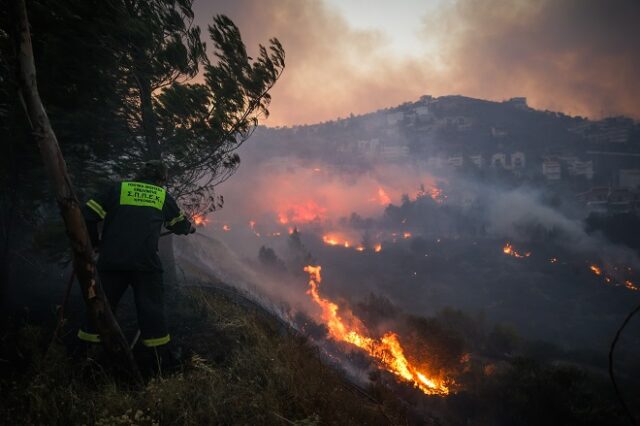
{"points": [[245, 365], [457, 132]]}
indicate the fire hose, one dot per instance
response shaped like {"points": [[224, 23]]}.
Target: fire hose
{"points": [[611, 374], [67, 293]]}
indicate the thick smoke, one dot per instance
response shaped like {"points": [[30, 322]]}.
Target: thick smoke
{"points": [[442, 239], [576, 56]]}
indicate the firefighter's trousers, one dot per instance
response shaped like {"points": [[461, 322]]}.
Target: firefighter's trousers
{"points": [[148, 292]]}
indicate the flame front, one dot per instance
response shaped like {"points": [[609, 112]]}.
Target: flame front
{"points": [[509, 250], [387, 351], [306, 212]]}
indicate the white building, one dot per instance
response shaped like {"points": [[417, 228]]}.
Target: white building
{"points": [[499, 160], [580, 168], [395, 117], [478, 160], [394, 152], [551, 169], [455, 161], [518, 160]]}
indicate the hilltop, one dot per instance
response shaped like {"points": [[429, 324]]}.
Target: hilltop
{"points": [[458, 132]]}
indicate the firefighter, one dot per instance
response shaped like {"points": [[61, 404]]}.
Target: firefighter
{"points": [[133, 213]]}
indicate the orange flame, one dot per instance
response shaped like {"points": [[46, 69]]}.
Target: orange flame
{"points": [[406, 235], [330, 240], [508, 250], [387, 351], [383, 198], [628, 284], [596, 270], [377, 248], [435, 193], [302, 213], [200, 220]]}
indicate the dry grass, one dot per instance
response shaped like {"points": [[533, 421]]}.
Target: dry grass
{"points": [[244, 369]]}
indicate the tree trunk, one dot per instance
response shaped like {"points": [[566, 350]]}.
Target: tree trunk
{"points": [[149, 122], [149, 126], [84, 265]]}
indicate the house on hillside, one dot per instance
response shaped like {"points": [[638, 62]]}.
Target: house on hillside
{"points": [[478, 160], [596, 199], [394, 152], [455, 161], [607, 200], [551, 169], [499, 160], [394, 117], [518, 161]]}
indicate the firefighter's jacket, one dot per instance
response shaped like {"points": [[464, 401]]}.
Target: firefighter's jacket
{"points": [[133, 215]]}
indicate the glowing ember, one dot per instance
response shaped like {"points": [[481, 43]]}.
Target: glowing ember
{"points": [[596, 270], [553, 260], [226, 228], [436, 195], [628, 284], [252, 225], [406, 235], [433, 192], [330, 240], [377, 248], [336, 240], [200, 220], [387, 351], [508, 250], [359, 248]]}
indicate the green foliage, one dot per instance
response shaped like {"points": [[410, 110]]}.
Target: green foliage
{"points": [[533, 394], [202, 125], [114, 76], [502, 340]]}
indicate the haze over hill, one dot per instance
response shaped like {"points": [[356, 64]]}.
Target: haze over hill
{"points": [[450, 202], [577, 56]]}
